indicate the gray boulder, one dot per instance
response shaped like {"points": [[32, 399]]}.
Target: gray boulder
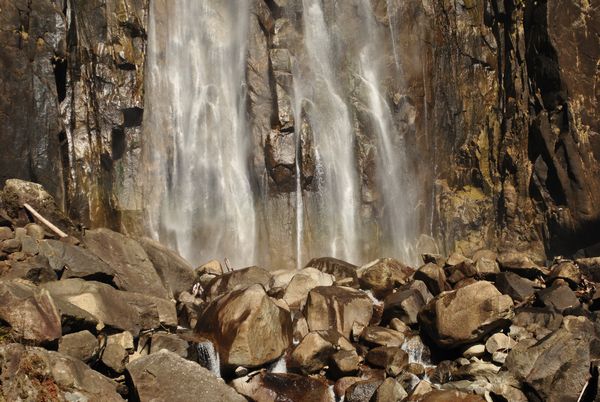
{"points": [[132, 267], [75, 262], [165, 376], [176, 273], [86, 300]]}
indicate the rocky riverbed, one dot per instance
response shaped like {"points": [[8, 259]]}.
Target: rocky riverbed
{"points": [[100, 316]]}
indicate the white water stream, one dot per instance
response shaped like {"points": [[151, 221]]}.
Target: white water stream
{"points": [[200, 189]]}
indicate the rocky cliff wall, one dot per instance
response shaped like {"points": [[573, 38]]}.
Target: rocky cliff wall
{"points": [[503, 95], [72, 101]]}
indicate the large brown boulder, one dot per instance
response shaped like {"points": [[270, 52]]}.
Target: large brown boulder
{"points": [[31, 312], [384, 274], [133, 270], [303, 282], [238, 279], [165, 376], [466, 315], [247, 327], [337, 307], [35, 374]]}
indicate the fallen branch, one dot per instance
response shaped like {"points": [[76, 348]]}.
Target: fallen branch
{"points": [[45, 221]]}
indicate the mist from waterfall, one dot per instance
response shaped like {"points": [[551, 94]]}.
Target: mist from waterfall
{"points": [[201, 192], [197, 132]]}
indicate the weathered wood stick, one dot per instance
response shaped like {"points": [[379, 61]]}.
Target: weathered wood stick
{"points": [[45, 221]]}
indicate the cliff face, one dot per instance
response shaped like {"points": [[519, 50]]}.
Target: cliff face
{"points": [[498, 99], [72, 101], [515, 85]]}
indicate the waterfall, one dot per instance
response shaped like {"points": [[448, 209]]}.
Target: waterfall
{"points": [[208, 357], [205, 196], [398, 217], [196, 128], [335, 221]]}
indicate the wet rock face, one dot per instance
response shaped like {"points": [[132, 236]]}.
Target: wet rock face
{"points": [[33, 49], [72, 101], [533, 166]]}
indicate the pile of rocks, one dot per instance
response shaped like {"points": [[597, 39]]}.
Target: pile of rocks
{"points": [[101, 316]]}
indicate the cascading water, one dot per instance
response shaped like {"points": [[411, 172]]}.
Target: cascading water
{"points": [[398, 217], [208, 357], [202, 194], [335, 224], [196, 127]]}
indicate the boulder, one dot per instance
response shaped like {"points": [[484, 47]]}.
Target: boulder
{"points": [[449, 395], [35, 374], [380, 336], [312, 353], [337, 307], [132, 268], [171, 342], [115, 357], [30, 312], [35, 231], [566, 270], [384, 274], [556, 368], [393, 359], [518, 288], [486, 267], [10, 246], [241, 278], [303, 282], [389, 390], [461, 271], [76, 262], [499, 342], [176, 273], [466, 315], [405, 305], [590, 268], [521, 264], [434, 277], [18, 192], [345, 362], [341, 270], [539, 321], [362, 391], [247, 327], [79, 300], [212, 267], [166, 376], [6, 233], [34, 269], [80, 345], [275, 387], [123, 339], [558, 297]]}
